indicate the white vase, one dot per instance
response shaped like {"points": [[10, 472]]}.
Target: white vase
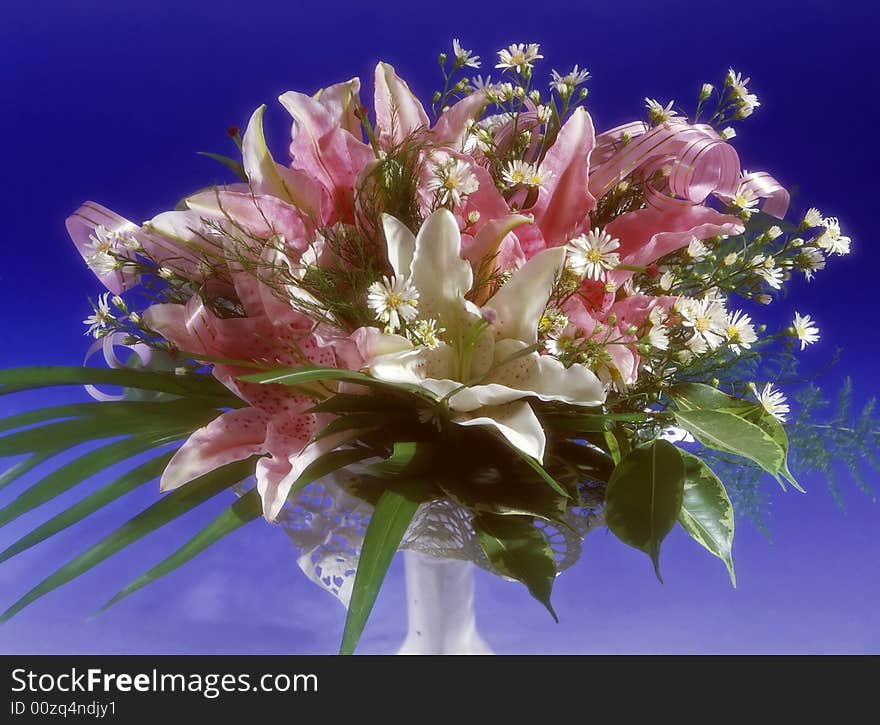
{"points": [[440, 607]]}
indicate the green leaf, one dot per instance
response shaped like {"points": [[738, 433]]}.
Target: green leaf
{"points": [[516, 548], [78, 470], [14, 380], [81, 509], [542, 472], [246, 509], [697, 396], [166, 509], [388, 524], [306, 375], [17, 470], [643, 497], [348, 403], [232, 164], [728, 432], [706, 512]]}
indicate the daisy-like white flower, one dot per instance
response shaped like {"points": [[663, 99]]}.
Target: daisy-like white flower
{"points": [[773, 232], [728, 133], [813, 218], [478, 83], [102, 250], [544, 113], [394, 300], [766, 269], [696, 345], [832, 240], [745, 200], [805, 329], [464, 58], [658, 337], [773, 401], [552, 322], [696, 249], [658, 113], [707, 318], [518, 56], [101, 316], [523, 173], [738, 85], [747, 105], [427, 333], [809, 261], [591, 255], [740, 331], [667, 280], [452, 179], [565, 84], [561, 341]]}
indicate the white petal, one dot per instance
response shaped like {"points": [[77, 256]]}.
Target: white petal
{"points": [[518, 423], [544, 377], [522, 300], [439, 273], [401, 245]]}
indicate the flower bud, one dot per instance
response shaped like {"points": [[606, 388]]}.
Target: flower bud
{"points": [[706, 91]]}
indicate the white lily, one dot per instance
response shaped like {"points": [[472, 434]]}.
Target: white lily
{"points": [[486, 363]]}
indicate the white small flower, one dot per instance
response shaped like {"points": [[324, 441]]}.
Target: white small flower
{"points": [[730, 259], [561, 340], [738, 85], [708, 319], [427, 333], [805, 330], [658, 113], [740, 331], [773, 232], [696, 345], [101, 317], [482, 84], [706, 91], [768, 271], [523, 173], [464, 58], [667, 280], [453, 179], [518, 56], [696, 249], [658, 337], [813, 218], [832, 240], [745, 200], [810, 260], [103, 249], [728, 133], [591, 255], [544, 113], [773, 401], [394, 301], [565, 84], [747, 105], [165, 273]]}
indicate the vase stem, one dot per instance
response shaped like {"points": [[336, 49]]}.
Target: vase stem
{"points": [[440, 607]]}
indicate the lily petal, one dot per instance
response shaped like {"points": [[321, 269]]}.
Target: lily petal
{"points": [[439, 273], [401, 243], [398, 112], [233, 436], [518, 423], [522, 300]]}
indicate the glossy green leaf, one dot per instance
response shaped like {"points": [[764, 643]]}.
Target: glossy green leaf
{"points": [[246, 509], [391, 517], [105, 495], [306, 375], [542, 472], [166, 509], [643, 497], [706, 512], [728, 432], [698, 396], [516, 548], [70, 474]]}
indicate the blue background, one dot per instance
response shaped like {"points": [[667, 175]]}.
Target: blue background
{"points": [[110, 100]]}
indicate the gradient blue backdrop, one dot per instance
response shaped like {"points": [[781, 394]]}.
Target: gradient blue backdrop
{"points": [[110, 100]]}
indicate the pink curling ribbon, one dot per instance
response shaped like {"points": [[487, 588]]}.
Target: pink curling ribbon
{"points": [[108, 344]]}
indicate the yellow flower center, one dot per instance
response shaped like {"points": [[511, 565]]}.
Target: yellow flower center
{"points": [[594, 256], [702, 324]]}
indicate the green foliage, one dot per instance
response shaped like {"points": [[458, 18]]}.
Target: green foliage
{"points": [[644, 497], [516, 548]]}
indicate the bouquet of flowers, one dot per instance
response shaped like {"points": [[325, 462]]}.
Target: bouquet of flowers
{"points": [[478, 332]]}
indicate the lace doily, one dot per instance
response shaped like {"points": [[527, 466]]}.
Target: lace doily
{"points": [[326, 524]]}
